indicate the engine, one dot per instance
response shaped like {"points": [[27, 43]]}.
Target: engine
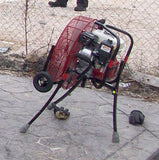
{"points": [[98, 47]]}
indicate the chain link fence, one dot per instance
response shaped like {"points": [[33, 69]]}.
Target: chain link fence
{"points": [[31, 26]]}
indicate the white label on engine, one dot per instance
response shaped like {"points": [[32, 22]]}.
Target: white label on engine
{"points": [[106, 48]]}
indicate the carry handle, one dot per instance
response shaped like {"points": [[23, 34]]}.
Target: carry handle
{"points": [[107, 28], [129, 36]]}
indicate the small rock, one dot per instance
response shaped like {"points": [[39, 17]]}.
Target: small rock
{"points": [[4, 49]]}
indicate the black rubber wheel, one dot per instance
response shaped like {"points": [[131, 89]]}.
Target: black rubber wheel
{"points": [[42, 82]]}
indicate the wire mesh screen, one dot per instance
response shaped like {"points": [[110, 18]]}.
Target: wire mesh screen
{"points": [[29, 26]]}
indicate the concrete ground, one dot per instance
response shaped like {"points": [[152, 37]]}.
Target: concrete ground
{"points": [[86, 135]]}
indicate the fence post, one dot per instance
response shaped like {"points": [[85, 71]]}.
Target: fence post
{"points": [[26, 31]]}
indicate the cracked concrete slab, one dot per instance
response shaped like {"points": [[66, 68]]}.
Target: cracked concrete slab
{"points": [[86, 135]]}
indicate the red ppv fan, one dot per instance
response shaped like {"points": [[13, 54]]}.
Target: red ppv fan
{"points": [[86, 49]]}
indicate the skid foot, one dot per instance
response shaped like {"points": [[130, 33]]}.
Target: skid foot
{"points": [[115, 137], [24, 128]]}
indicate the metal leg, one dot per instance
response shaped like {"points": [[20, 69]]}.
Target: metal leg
{"points": [[79, 79], [115, 137], [25, 127], [51, 106]]}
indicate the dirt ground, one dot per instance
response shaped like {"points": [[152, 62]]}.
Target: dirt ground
{"points": [[135, 89], [141, 91]]}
